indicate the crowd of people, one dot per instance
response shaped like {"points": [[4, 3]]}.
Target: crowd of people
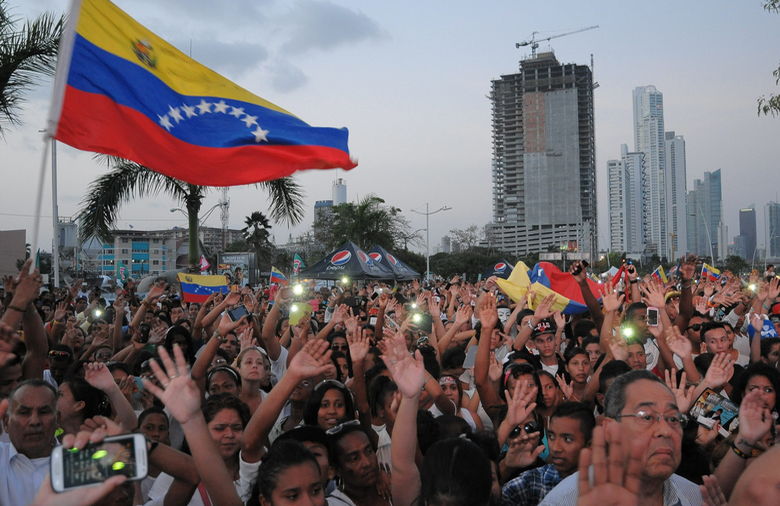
{"points": [[372, 393]]}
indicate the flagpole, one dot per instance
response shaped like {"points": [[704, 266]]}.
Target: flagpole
{"points": [[55, 249], [39, 203]]}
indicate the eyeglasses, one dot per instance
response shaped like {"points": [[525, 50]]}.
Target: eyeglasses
{"points": [[59, 355], [336, 429], [644, 418], [695, 327], [339, 347], [529, 428]]}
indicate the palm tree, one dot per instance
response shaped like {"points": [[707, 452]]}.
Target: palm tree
{"points": [[128, 180], [256, 233], [26, 53], [367, 222]]}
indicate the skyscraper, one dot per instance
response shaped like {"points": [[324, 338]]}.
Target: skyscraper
{"points": [[649, 139], [676, 190], [544, 175], [339, 192], [747, 229], [773, 226], [704, 216], [626, 202]]}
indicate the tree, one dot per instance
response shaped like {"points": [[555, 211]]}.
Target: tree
{"points": [[128, 180], [771, 105], [256, 234], [736, 264], [26, 53], [466, 237], [367, 222]]}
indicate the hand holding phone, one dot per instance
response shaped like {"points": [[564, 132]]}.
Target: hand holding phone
{"points": [[237, 312]]}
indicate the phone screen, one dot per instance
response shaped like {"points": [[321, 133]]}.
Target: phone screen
{"points": [[237, 312], [652, 316], [96, 463]]}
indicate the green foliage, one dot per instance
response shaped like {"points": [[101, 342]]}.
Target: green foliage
{"points": [[735, 264], [473, 262], [27, 52], [367, 222], [257, 235], [771, 104], [467, 237], [414, 260]]}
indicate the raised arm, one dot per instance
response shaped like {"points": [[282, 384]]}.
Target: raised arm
{"points": [[268, 335], [487, 393], [152, 295], [462, 316], [687, 268], [116, 331], [581, 277], [98, 375], [542, 311]]}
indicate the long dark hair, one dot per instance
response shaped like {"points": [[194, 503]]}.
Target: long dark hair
{"points": [[283, 455], [96, 403], [313, 403], [216, 403], [455, 472]]}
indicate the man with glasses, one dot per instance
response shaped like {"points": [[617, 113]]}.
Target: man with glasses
{"points": [[647, 414]]}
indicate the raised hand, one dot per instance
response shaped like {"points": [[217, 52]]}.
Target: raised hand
{"points": [[487, 311], [654, 293], [246, 338], [618, 347], [407, 371], [566, 388], [156, 291], [679, 344], [720, 371], [687, 267], [8, 339], [520, 403], [711, 493], [226, 324], [524, 453], [27, 287], [544, 309], [559, 320], [463, 315], [341, 314], [98, 375], [312, 360], [358, 346], [351, 323], [232, 299], [611, 300], [60, 312], [615, 481], [495, 369], [580, 276], [755, 420], [683, 395], [179, 393]]}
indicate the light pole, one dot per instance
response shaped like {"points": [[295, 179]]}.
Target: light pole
{"points": [[427, 215], [706, 229]]}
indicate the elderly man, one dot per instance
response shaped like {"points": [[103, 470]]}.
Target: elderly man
{"points": [[644, 410], [30, 421]]}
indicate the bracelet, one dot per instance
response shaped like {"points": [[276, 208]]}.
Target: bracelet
{"points": [[739, 452], [633, 281], [16, 308]]}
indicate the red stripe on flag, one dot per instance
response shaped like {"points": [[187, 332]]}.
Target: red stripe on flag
{"points": [[191, 297], [94, 122]]}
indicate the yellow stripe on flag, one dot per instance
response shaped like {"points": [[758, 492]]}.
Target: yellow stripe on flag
{"points": [[516, 286], [202, 279], [538, 292]]}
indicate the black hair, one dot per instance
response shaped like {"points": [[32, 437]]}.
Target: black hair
{"points": [[154, 410], [583, 328], [427, 430], [455, 472], [216, 403], [767, 344], [333, 441], [755, 369], [611, 370], [615, 399], [430, 361], [118, 366], [517, 370], [453, 358], [706, 327], [315, 399], [378, 390], [181, 331], [96, 402], [227, 370], [34, 383], [306, 434], [590, 340], [283, 455], [578, 411], [572, 352], [452, 426], [633, 307], [336, 355]]}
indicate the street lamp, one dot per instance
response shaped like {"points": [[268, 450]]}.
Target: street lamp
{"points": [[427, 215], [706, 229]]}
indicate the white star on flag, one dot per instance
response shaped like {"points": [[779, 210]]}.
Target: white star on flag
{"points": [[165, 122], [237, 112], [220, 106], [250, 120], [260, 134], [204, 106], [175, 114], [189, 110]]}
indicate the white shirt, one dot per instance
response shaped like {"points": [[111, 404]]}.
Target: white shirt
{"points": [[20, 477], [552, 369], [677, 492], [279, 366], [383, 444]]}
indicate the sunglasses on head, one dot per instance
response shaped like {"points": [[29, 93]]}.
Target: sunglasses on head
{"points": [[59, 355], [340, 427], [695, 327], [529, 428]]}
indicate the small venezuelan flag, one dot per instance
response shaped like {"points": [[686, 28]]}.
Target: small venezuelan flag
{"points": [[122, 90], [659, 274], [277, 276], [709, 272], [198, 287]]}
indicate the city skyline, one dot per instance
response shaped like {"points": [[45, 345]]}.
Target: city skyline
{"points": [[412, 92]]}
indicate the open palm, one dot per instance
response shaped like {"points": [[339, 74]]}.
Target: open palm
{"points": [[180, 394]]}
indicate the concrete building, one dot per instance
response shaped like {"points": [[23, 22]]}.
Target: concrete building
{"points": [[339, 192], [704, 228], [626, 202], [773, 229], [12, 248], [676, 191], [747, 230], [649, 139], [544, 174]]}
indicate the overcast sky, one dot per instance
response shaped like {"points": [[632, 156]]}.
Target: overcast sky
{"points": [[409, 79]]}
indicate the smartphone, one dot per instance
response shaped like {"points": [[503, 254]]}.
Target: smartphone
{"points": [[423, 321], [372, 320], [144, 330], [652, 316], [237, 312], [118, 455]]}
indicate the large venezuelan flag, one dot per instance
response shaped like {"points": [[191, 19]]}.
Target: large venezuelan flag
{"points": [[198, 287], [124, 91]]}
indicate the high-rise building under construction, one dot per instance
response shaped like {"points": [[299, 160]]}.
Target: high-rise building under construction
{"points": [[544, 171]]}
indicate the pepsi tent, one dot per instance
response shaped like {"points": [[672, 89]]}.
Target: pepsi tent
{"points": [[400, 270], [500, 269], [348, 260]]}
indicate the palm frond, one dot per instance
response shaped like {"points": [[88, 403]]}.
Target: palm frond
{"points": [[25, 55], [286, 200], [126, 181]]}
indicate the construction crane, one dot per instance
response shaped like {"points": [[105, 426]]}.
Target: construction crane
{"points": [[534, 42]]}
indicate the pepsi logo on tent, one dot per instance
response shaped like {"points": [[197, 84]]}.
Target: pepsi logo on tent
{"points": [[376, 257], [341, 258], [500, 267], [391, 259], [363, 257]]}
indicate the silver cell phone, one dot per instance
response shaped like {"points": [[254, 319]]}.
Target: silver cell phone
{"points": [[117, 455], [652, 316]]}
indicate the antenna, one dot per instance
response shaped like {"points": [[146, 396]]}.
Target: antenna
{"points": [[224, 214]]}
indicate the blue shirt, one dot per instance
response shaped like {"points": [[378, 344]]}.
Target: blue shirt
{"points": [[529, 488]]}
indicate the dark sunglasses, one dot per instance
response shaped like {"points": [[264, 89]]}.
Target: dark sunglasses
{"points": [[339, 347], [695, 327], [529, 428], [59, 355]]}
